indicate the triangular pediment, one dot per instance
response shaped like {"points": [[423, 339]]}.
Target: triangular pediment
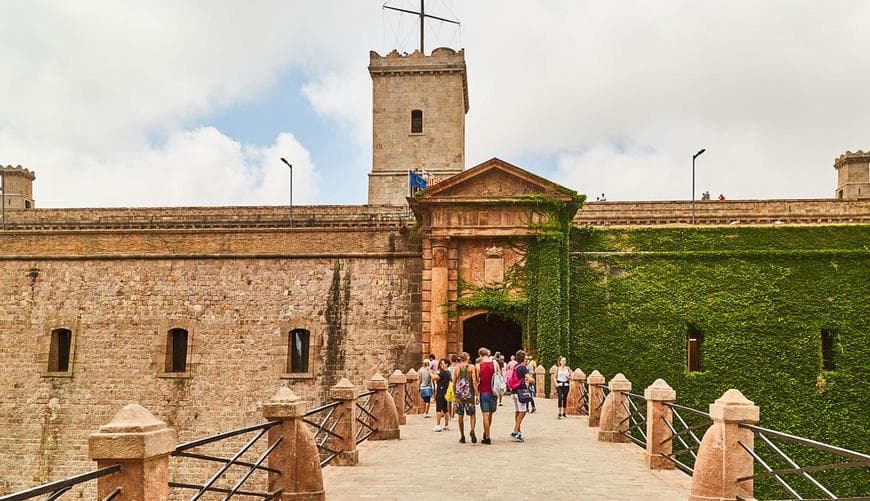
{"points": [[495, 178]]}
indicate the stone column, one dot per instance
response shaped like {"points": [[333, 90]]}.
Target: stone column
{"points": [[575, 393], [397, 380], [141, 444], [438, 315], [345, 392], [658, 435], [384, 410], [412, 386], [595, 382], [721, 460], [296, 456], [540, 382], [614, 415], [553, 371]]}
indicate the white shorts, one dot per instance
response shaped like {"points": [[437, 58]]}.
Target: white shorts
{"points": [[519, 406]]}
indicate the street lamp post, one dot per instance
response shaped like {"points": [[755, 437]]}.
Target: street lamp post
{"points": [[291, 189], [696, 155]]}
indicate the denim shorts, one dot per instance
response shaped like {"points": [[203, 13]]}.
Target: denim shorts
{"points": [[488, 402]]}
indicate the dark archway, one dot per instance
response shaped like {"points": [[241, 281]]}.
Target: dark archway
{"points": [[492, 331]]}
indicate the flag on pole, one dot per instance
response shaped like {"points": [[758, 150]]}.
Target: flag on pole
{"points": [[417, 182]]}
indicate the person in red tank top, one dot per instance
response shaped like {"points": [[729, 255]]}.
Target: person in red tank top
{"points": [[488, 402]]}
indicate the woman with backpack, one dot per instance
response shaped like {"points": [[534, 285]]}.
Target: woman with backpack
{"points": [[520, 379], [442, 382], [562, 381], [465, 390]]}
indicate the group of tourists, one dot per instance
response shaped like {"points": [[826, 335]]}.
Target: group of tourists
{"points": [[459, 385]]}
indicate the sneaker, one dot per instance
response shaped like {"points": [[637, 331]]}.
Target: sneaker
{"points": [[462, 439], [500, 404], [446, 428], [560, 417], [514, 434], [437, 428], [473, 437], [518, 437], [426, 416], [486, 441]]}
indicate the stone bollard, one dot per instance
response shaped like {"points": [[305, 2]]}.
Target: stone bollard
{"points": [[412, 386], [540, 382], [296, 456], [614, 414], [397, 381], [721, 460], [659, 438], [141, 444], [553, 371], [596, 395], [575, 393], [384, 410], [347, 427]]}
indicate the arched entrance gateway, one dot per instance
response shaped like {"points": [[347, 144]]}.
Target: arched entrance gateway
{"points": [[491, 331], [476, 229]]}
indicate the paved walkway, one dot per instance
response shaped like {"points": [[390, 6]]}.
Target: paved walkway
{"points": [[560, 459]]}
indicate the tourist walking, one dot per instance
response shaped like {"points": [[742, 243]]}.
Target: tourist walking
{"points": [[442, 381], [486, 370], [531, 367], [562, 381], [451, 394], [502, 368], [426, 387], [521, 396], [465, 389]]}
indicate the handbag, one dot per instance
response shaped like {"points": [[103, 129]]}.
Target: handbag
{"points": [[426, 391], [523, 395], [497, 384], [450, 396]]}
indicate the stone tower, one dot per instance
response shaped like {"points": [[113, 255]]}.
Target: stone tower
{"points": [[419, 106], [853, 175], [18, 187]]}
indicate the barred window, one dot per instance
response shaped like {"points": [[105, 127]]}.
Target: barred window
{"points": [[416, 121], [300, 345]]}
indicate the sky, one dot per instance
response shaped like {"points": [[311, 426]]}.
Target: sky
{"points": [[165, 103]]}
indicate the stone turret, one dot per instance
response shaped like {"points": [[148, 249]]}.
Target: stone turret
{"points": [[18, 187], [853, 175], [419, 104]]}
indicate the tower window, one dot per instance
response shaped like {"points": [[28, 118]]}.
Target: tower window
{"points": [[176, 351], [694, 340], [827, 350], [58, 352], [416, 121], [297, 360]]}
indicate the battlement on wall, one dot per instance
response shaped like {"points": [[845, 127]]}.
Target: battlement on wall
{"points": [[442, 60], [850, 157], [18, 170], [744, 212]]}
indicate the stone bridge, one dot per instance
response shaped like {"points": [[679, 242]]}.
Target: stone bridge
{"points": [[377, 444]]}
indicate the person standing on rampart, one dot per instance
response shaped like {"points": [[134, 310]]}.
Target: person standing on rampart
{"points": [[426, 387], [465, 390], [562, 381], [521, 396], [488, 401]]}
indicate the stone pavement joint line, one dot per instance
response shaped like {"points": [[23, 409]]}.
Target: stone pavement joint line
{"points": [[559, 459]]}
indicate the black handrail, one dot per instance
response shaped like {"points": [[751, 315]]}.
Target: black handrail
{"points": [[685, 431], [859, 460], [59, 487], [221, 436], [638, 419]]}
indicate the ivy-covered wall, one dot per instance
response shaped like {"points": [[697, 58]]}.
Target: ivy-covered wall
{"points": [[760, 296]]}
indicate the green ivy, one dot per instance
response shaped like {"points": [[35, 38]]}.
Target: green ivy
{"points": [[761, 297]]}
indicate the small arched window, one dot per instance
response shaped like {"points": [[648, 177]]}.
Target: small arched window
{"points": [[59, 350], [300, 344], [827, 350], [416, 121], [176, 350], [694, 340]]}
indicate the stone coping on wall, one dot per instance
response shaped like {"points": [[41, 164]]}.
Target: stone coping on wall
{"points": [[727, 212], [310, 216]]}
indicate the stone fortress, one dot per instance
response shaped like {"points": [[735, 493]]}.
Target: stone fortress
{"points": [[198, 313]]}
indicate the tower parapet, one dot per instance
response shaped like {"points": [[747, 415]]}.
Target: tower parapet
{"points": [[853, 175], [17, 187], [419, 106]]}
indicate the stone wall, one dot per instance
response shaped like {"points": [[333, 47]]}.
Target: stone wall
{"points": [[238, 291], [808, 211]]}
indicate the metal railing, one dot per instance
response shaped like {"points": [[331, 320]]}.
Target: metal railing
{"points": [[183, 451], [324, 430], [807, 483], [685, 434], [367, 420], [603, 395], [637, 417], [409, 399], [583, 403], [58, 488]]}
